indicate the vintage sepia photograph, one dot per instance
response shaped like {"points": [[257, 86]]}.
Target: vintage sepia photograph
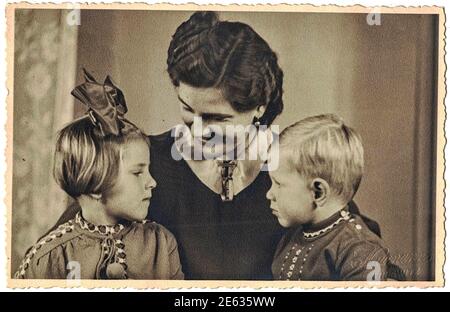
{"points": [[159, 146]]}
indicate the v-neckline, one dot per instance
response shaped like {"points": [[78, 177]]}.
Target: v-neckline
{"points": [[206, 186]]}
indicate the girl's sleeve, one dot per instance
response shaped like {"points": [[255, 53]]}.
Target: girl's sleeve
{"points": [[176, 272], [28, 269], [49, 265]]}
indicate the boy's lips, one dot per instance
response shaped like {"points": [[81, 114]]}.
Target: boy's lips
{"points": [[274, 208], [148, 197]]}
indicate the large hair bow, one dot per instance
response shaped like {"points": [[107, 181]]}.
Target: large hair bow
{"points": [[105, 102]]}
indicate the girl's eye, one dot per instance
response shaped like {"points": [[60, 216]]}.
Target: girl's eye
{"points": [[137, 173]]}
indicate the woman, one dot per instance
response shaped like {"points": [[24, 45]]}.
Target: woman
{"points": [[226, 74]]}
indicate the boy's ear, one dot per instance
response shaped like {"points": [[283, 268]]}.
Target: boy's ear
{"points": [[321, 190]]}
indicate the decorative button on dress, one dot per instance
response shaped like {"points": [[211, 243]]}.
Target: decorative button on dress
{"points": [[135, 250]]}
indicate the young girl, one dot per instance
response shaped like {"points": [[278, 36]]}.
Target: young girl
{"points": [[102, 160]]}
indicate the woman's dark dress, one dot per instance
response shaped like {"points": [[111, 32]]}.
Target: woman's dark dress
{"points": [[217, 240]]}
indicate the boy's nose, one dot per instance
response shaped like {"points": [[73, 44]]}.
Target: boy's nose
{"points": [[151, 183]]}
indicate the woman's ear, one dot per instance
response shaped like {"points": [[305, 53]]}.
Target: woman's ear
{"points": [[321, 190], [260, 110]]}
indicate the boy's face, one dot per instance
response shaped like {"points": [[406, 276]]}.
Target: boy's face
{"points": [[129, 198], [291, 198]]}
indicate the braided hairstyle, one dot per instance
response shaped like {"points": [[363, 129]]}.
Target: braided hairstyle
{"points": [[208, 53]]}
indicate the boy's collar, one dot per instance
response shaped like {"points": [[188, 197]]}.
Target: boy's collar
{"points": [[322, 227]]}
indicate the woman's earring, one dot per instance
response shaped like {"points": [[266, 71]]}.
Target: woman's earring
{"points": [[256, 122]]}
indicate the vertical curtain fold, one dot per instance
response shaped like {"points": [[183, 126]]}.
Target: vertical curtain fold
{"points": [[44, 73]]}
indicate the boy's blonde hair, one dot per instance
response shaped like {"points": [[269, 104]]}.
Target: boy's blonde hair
{"points": [[324, 147], [85, 161]]}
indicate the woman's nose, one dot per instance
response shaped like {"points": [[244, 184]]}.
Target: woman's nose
{"points": [[212, 130], [269, 194]]}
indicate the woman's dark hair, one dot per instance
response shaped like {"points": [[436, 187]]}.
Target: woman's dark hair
{"points": [[205, 52]]}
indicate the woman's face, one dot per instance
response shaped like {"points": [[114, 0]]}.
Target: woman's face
{"points": [[212, 119], [213, 109]]}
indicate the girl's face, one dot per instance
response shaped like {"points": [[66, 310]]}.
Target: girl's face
{"points": [[129, 198], [209, 106]]}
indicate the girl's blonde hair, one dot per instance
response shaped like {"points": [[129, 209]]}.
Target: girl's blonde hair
{"points": [[324, 147], [85, 161]]}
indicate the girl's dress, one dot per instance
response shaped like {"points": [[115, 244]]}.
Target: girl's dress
{"points": [[79, 249]]}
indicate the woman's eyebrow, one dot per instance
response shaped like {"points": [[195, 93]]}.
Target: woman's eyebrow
{"points": [[206, 115], [214, 115]]}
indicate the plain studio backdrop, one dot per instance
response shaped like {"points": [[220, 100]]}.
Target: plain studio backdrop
{"points": [[379, 78]]}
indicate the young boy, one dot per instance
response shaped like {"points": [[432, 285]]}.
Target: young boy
{"points": [[320, 168]]}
